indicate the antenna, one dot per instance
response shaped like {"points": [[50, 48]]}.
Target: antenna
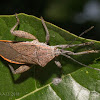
{"points": [[80, 62], [83, 33]]}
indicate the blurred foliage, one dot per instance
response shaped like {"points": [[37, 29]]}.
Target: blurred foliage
{"points": [[73, 15]]}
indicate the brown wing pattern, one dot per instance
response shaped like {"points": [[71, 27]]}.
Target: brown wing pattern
{"points": [[15, 52], [23, 52], [33, 53]]}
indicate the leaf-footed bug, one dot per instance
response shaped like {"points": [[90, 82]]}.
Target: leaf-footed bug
{"points": [[35, 52]]}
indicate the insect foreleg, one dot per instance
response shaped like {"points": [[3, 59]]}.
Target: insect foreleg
{"points": [[58, 63], [84, 52], [73, 45]]}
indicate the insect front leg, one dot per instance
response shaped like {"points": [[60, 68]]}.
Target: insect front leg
{"points": [[21, 69], [84, 52], [20, 33], [46, 29], [73, 45], [58, 63]]}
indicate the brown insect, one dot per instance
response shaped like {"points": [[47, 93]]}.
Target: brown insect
{"points": [[34, 52]]}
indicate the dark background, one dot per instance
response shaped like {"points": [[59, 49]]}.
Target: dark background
{"points": [[72, 15]]}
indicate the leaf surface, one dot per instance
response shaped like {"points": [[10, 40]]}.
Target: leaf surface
{"points": [[78, 82]]}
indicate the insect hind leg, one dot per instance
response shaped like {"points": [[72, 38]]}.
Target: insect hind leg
{"points": [[21, 69], [20, 33]]}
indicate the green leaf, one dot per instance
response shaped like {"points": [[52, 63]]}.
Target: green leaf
{"points": [[78, 82]]}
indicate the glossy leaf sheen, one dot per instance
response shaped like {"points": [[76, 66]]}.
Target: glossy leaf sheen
{"points": [[78, 82]]}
